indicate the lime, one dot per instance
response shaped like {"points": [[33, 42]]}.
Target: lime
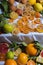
{"points": [[8, 28], [10, 55]]}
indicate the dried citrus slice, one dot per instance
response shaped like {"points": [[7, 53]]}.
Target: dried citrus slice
{"points": [[13, 15], [20, 6], [22, 21], [24, 29], [40, 28], [24, 18], [16, 30], [37, 21], [31, 17]]}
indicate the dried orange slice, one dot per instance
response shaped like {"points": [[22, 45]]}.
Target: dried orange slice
{"points": [[24, 18], [10, 20], [40, 28], [16, 30], [22, 22], [37, 21], [13, 15], [24, 29], [31, 17]]}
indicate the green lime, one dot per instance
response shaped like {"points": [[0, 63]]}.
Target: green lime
{"points": [[8, 28], [10, 55]]}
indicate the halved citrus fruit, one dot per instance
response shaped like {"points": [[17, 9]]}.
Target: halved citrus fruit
{"points": [[40, 28]]}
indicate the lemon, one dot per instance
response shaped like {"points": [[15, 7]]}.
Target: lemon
{"points": [[38, 7], [32, 2]]}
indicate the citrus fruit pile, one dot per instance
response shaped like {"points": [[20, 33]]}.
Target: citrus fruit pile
{"points": [[22, 54], [29, 12]]}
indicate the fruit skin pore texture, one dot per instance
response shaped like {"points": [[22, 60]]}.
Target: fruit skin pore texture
{"points": [[10, 62]]}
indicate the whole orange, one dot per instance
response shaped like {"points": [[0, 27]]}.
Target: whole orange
{"points": [[31, 50], [10, 62], [23, 58], [31, 62]]}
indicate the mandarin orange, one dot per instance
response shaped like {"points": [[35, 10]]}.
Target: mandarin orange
{"points": [[10, 62]]}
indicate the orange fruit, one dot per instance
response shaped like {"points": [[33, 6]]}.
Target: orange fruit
{"points": [[31, 50], [31, 44], [37, 14], [10, 62], [31, 62], [23, 58]]}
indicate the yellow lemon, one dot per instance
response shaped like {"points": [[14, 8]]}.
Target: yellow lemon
{"points": [[38, 7], [32, 2]]}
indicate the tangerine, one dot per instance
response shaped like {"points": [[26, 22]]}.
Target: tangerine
{"points": [[31, 62], [10, 62], [30, 49], [23, 58]]}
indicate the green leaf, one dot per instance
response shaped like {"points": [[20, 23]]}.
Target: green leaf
{"points": [[23, 43], [6, 15], [38, 45], [42, 13], [5, 5], [14, 45], [1, 18], [2, 21], [32, 57]]}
